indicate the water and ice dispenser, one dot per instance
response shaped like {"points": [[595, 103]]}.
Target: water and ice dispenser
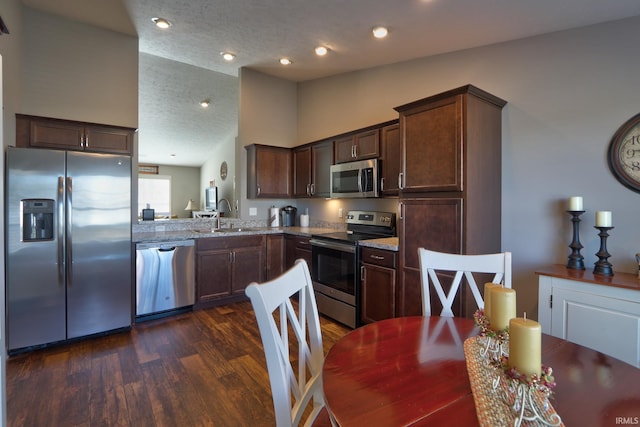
{"points": [[37, 219]]}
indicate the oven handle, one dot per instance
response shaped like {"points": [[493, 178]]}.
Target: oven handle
{"points": [[331, 245]]}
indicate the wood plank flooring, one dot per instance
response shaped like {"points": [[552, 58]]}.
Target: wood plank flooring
{"points": [[205, 368]]}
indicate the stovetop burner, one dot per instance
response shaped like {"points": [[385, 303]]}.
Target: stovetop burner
{"points": [[364, 225]]}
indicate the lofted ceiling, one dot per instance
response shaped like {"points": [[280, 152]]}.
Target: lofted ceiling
{"points": [[261, 31]]}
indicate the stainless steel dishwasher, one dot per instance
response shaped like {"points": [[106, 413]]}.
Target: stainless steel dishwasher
{"points": [[165, 278]]}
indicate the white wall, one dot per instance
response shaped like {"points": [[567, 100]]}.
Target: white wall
{"points": [[77, 71], [210, 170], [267, 115], [185, 181], [567, 93]]}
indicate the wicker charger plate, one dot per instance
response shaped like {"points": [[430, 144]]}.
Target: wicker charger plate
{"points": [[491, 408]]}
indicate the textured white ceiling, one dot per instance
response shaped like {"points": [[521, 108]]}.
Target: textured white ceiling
{"points": [[260, 31]]}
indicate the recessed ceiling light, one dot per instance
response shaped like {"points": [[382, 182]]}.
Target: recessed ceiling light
{"points": [[380, 32], [285, 61], [205, 103], [228, 56], [162, 23], [321, 51]]}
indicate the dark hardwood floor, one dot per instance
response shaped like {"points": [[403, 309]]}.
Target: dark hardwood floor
{"points": [[205, 368]]}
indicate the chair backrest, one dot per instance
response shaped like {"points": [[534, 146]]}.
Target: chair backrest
{"points": [[432, 262], [292, 389]]}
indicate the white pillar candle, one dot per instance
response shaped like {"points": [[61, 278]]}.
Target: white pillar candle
{"points": [[503, 307], [575, 203], [525, 346], [603, 219]]}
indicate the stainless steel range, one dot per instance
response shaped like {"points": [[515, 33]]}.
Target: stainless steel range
{"points": [[335, 265]]}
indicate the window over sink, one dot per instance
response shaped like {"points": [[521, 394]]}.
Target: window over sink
{"points": [[155, 190]]}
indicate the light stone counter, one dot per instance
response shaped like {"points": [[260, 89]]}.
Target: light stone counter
{"points": [[387, 243], [163, 231]]}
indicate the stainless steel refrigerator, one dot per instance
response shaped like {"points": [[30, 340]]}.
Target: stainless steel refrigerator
{"points": [[68, 245]]}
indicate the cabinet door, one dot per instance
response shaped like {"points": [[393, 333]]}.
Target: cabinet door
{"points": [[108, 140], [390, 159], [378, 294], [213, 275], [434, 224], [248, 266], [53, 134], [344, 149], [367, 144], [275, 255], [302, 172], [432, 146], [297, 247], [322, 159], [269, 172]]}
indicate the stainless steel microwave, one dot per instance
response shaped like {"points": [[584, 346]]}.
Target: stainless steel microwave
{"points": [[355, 179]]}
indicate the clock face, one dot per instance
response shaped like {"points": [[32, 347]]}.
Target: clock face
{"points": [[624, 154], [223, 170]]}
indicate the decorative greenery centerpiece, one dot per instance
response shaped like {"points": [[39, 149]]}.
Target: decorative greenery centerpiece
{"points": [[495, 342], [528, 395]]}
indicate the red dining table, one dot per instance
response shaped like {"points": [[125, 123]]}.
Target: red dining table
{"points": [[411, 371]]}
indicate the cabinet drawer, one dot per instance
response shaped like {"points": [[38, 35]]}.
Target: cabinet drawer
{"points": [[378, 257]]}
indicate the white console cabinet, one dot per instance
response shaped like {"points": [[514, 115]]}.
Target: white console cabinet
{"points": [[602, 313]]}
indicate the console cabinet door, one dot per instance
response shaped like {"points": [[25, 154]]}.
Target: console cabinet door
{"points": [[434, 224], [432, 146], [357, 146], [389, 159], [269, 172], [43, 132], [379, 285], [321, 161], [275, 255], [297, 247], [247, 267], [302, 172], [213, 275]]}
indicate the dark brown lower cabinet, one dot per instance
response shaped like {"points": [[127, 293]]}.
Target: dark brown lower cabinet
{"points": [[225, 266], [297, 247], [433, 223], [379, 284], [275, 255]]}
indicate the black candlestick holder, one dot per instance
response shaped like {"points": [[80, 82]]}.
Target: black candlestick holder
{"points": [[576, 260], [602, 266]]}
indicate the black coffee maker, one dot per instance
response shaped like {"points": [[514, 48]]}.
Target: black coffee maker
{"points": [[288, 216]]}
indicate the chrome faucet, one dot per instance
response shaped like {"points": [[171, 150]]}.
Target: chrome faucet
{"points": [[228, 205]]}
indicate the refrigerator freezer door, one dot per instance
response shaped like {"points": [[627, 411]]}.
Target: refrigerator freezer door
{"points": [[99, 288], [35, 269]]}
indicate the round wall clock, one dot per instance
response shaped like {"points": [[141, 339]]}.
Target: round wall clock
{"points": [[624, 154], [223, 170]]}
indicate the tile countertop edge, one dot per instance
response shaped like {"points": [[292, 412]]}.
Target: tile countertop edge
{"points": [[165, 236], [386, 243]]}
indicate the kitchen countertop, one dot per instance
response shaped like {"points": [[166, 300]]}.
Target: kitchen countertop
{"points": [[387, 243], [164, 236]]}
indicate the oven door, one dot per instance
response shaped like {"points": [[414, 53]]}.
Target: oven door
{"points": [[334, 268]]}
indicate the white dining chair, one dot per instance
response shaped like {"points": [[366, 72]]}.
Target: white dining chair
{"points": [[290, 298], [432, 262]]}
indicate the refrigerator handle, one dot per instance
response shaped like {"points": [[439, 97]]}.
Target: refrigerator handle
{"points": [[68, 221], [61, 236]]}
